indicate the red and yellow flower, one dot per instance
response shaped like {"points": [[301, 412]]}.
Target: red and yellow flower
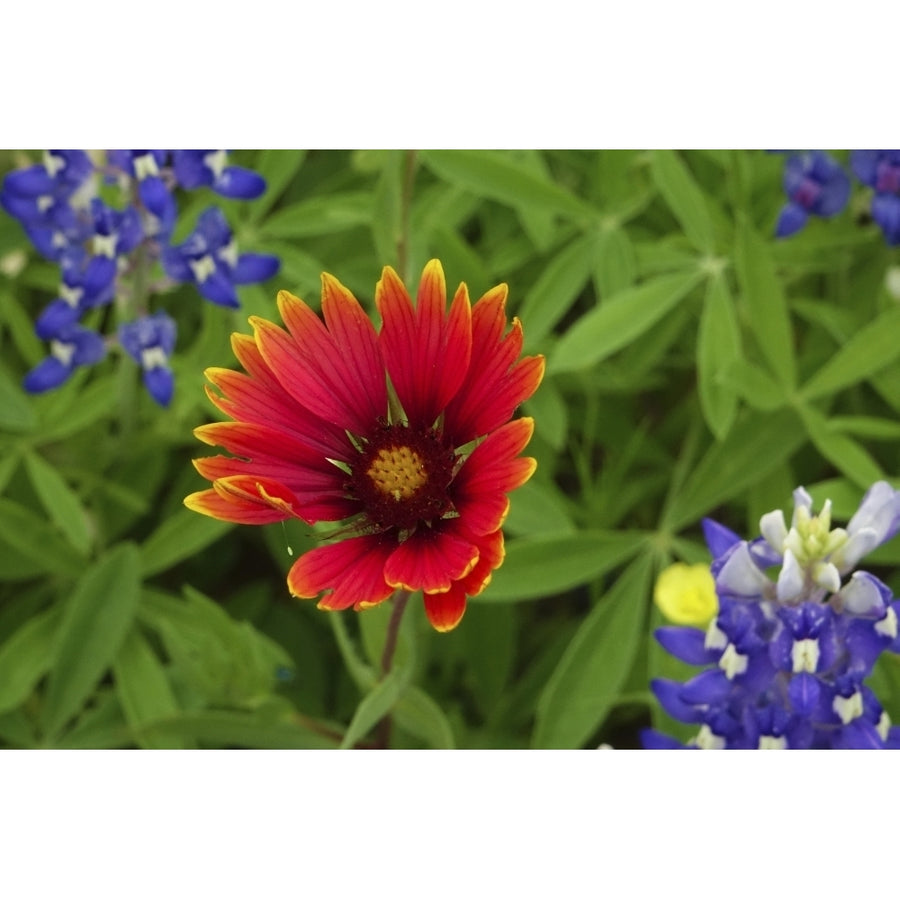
{"points": [[404, 435]]}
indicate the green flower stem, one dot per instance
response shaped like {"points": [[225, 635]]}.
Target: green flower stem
{"points": [[400, 600]]}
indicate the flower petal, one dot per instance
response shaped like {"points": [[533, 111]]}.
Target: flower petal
{"points": [[430, 560], [426, 352], [445, 610], [495, 382], [492, 470], [245, 500], [351, 572], [342, 381]]}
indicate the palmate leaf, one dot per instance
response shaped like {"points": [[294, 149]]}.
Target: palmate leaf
{"points": [[558, 287], [498, 176], [60, 501], [871, 349], [181, 535], [96, 618], [766, 305], [26, 656], [755, 445], [37, 541], [144, 691], [684, 197], [596, 663], [16, 413], [718, 346], [619, 321], [549, 564], [842, 451]]}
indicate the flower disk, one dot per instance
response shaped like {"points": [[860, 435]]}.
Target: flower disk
{"points": [[405, 436]]}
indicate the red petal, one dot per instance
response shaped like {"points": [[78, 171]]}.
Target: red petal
{"points": [[495, 384], [430, 560], [426, 351], [339, 378], [319, 496], [445, 610], [265, 401], [491, 554], [352, 571], [244, 500], [492, 470]]}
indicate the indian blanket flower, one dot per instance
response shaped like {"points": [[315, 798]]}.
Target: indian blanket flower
{"points": [[816, 185], [786, 658], [404, 436], [880, 170]]}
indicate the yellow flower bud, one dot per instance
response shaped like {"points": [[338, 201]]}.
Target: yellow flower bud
{"points": [[686, 595]]}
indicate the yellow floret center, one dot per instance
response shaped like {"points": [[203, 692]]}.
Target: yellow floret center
{"points": [[398, 472]]}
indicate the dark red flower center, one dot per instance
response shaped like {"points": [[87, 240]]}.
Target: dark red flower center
{"points": [[403, 477]]}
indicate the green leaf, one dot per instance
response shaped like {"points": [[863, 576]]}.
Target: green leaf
{"points": [[551, 414], [756, 444], [871, 427], [21, 328], [387, 226], [547, 565], [70, 415], [718, 346], [619, 321], [328, 214], [596, 663], [869, 350], [537, 508], [224, 728], [279, 168], [144, 690], [684, 198], [616, 268], [36, 540], [374, 707], [557, 288], [8, 465], [179, 536], [227, 662], [95, 621], [754, 385], [16, 412], [26, 656], [418, 714], [841, 451], [767, 308], [493, 174], [60, 502]]}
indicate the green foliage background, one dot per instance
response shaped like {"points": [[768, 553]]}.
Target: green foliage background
{"points": [[695, 367]]}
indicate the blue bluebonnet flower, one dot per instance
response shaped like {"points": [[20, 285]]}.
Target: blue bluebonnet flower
{"points": [[880, 170], [59, 206], [816, 185], [150, 342], [209, 258], [207, 168], [147, 168], [70, 347], [786, 658]]}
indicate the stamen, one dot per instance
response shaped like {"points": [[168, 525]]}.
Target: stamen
{"points": [[398, 472], [848, 708], [805, 655], [202, 268]]}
